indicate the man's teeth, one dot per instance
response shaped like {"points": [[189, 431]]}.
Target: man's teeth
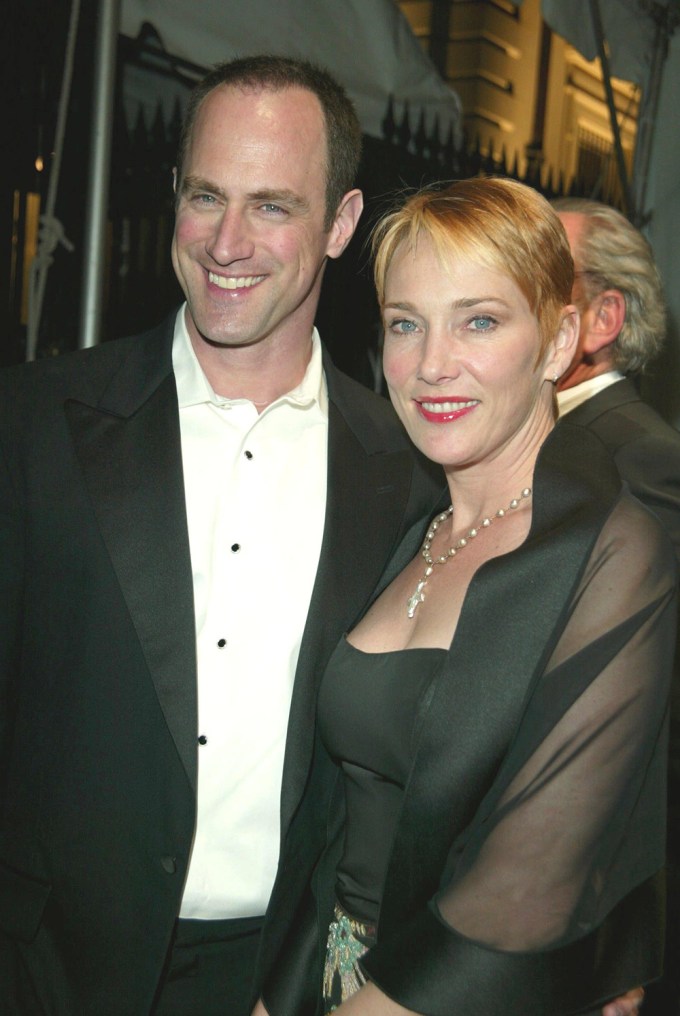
{"points": [[447, 407], [228, 282]]}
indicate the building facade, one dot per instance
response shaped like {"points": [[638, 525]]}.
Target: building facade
{"points": [[527, 92]]}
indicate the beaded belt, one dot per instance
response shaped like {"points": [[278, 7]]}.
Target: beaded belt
{"points": [[348, 941]]}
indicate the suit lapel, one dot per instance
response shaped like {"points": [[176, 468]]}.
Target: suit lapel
{"points": [[364, 485], [128, 447], [612, 397]]}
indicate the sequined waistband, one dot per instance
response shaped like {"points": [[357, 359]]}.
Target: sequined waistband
{"points": [[348, 940], [358, 928]]}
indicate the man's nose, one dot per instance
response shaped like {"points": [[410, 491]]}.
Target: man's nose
{"points": [[230, 239]]}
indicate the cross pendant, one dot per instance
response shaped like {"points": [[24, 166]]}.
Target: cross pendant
{"points": [[414, 601]]}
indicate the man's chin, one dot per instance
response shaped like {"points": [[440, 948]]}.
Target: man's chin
{"points": [[217, 340]]}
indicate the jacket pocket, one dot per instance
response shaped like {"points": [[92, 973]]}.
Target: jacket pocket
{"points": [[22, 902]]}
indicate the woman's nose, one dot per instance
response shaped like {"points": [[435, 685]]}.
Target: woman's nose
{"points": [[438, 360]]}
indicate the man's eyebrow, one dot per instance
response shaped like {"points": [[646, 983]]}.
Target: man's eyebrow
{"points": [[197, 183], [285, 197]]}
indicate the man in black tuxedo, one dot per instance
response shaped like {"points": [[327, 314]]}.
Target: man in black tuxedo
{"points": [[619, 294], [189, 519]]}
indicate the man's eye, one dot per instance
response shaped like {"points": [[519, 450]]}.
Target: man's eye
{"points": [[272, 209]]}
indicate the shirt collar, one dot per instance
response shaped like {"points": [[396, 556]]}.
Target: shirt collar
{"points": [[570, 398], [193, 387]]}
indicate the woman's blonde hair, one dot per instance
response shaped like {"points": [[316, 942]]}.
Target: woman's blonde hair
{"points": [[497, 223]]}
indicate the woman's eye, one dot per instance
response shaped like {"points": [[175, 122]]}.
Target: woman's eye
{"points": [[482, 323], [403, 326]]}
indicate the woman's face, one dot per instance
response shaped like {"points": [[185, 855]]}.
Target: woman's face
{"points": [[461, 345]]}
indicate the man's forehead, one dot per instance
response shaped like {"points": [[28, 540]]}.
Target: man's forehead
{"points": [[302, 99], [277, 136], [291, 117], [574, 224]]}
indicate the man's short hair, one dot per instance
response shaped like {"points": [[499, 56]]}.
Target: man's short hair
{"points": [[276, 73], [613, 254]]}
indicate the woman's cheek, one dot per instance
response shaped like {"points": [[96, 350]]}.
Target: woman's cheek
{"points": [[397, 365]]}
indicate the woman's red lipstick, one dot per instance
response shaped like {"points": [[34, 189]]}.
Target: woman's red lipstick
{"points": [[448, 409]]}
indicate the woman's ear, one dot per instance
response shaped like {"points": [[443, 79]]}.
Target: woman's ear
{"points": [[564, 345]]}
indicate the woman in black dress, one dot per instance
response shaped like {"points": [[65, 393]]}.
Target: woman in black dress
{"points": [[497, 718]]}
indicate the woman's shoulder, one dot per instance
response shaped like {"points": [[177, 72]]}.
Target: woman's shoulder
{"points": [[635, 545]]}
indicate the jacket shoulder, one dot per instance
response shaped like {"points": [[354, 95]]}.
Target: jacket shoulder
{"points": [[368, 414], [81, 373]]}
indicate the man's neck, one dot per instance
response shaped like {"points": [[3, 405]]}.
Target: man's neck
{"points": [[583, 371], [261, 372], [574, 396]]}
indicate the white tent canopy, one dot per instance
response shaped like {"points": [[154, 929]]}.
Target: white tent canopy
{"points": [[628, 27], [366, 44]]}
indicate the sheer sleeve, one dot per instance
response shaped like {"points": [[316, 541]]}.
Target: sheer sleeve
{"points": [[573, 826]]}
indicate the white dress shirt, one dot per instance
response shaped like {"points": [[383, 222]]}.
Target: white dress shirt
{"points": [[570, 398], [255, 487]]}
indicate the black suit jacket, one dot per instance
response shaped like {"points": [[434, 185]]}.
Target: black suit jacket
{"points": [[644, 447], [98, 728]]}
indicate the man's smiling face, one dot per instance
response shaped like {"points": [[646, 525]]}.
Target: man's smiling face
{"points": [[250, 244]]}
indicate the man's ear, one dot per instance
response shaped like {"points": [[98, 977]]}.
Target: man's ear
{"points": [[603, 321], [345, 222], [174, 180]]}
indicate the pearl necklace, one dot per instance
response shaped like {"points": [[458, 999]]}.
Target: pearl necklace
{"points": [[418, 596]]}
